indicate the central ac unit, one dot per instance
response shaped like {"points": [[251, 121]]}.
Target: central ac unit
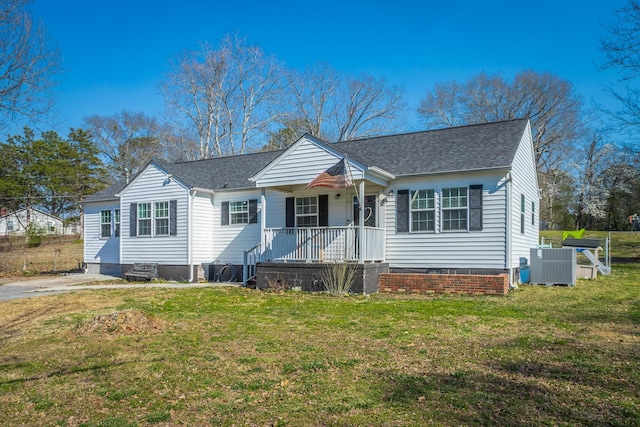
{"points": [[553, 266]]}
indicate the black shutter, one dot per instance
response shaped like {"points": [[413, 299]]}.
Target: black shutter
{"points": [[356, 212], [323, 210], [224, 213], [173, 217], [402, 211], [253, 211], [475, 207], [290, 212], [133, 220]]}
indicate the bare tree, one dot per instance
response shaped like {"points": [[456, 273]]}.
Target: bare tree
{"points": [[548, 101], [337, 107], [226, 94], [622, 53], [128, 140], [27, 64]]}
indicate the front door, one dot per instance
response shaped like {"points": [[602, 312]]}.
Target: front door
{"points": [[369, 211]]}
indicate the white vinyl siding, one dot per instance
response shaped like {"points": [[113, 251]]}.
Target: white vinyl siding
{"points": [[478, 249], [202, 228], [524, 182], [289, 169], [147, 188], [96, 248], [229, 243]]}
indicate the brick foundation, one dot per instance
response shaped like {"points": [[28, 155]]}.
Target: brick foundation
{"points": [[444, 283]]}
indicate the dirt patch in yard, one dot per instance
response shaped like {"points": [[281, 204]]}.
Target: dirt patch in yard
{"points": [[122, 322]]}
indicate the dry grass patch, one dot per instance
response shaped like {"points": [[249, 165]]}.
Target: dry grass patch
{"points": [[122, 322], [57, 253]]}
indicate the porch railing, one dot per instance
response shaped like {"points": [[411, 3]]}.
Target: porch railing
{"points": [[323, 244], [250, 263]]}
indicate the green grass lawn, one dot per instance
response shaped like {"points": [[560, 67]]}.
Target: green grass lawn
{"points": [[206, 357]]}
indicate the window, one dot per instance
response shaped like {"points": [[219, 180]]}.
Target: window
{"points": [[161, 217], [239, 212], [9, 225], [144, 219], [454, 208], [151, 219], [105, 223], [306, 211], [522, 204], [117, 217], [533, 213], [423, 213]]}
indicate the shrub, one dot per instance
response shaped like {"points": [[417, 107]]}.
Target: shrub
{"points": [[338, 277]]}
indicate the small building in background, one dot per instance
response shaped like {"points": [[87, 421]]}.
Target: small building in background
{"points": [[16, 223]]}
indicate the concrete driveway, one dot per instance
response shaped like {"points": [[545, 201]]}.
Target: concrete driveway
{"points": [[51, 284], [73, 282]]}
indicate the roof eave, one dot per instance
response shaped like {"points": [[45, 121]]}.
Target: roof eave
{"points": [[459, 171]]}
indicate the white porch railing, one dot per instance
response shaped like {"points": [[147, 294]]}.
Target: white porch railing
{"points": [[323, 244]]}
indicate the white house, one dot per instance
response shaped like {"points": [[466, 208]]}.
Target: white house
{"points": [[458, 200], [15, 223]]}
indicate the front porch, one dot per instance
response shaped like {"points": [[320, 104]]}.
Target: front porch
{"points": [[315, 245], [320, 244]]}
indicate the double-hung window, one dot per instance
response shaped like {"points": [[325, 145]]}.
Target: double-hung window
{"points": [[144, 219], [105, 223], [117, 222], [454, 208], [161, 218], [306, 211], [239, 212], [423, 213], [533, 213]]}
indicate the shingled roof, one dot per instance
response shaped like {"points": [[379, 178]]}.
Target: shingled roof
{"points": [[222, 172], [464, 148], [106, 194]]}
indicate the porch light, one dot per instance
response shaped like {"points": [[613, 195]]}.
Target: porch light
{"points": [[337, 196], [391, 192]]}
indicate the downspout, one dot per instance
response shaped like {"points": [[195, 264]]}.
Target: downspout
{"points": [[190, 234]]}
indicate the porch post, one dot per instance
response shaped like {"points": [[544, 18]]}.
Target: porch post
{"points": [[361, 242], [263, 224]]}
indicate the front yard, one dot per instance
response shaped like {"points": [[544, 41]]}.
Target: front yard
{"points": [[539, 356]]}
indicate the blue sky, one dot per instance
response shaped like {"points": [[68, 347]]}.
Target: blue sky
{"points": [[115, 52]]}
